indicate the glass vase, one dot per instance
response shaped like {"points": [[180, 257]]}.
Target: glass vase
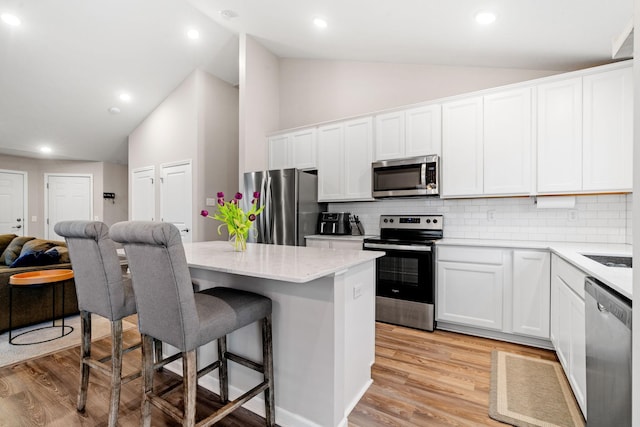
{"points": [[239, 242]]}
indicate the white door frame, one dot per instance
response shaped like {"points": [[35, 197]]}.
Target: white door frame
{"points": [[46, 196], [25, 198]]}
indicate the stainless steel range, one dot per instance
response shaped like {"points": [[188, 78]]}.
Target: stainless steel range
{"points": [[405, 278]]}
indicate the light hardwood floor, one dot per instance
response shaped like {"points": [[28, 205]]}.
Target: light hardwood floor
{"points": [[431, 379], [420, 379]]}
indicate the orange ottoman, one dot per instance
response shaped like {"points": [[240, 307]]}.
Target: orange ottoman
{"points": [[34, 279]]}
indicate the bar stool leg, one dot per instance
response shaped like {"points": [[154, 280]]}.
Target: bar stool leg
{"points": [[147, 379], [157, 347], [85, 354], [223, 369], [190, 374], [116, 371], [267, 361]]}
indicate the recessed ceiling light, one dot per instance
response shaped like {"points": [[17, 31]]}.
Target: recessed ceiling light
{"points": [[10, 19], [125, 97], [45, 150], [114, 110], [193, 34], [485, 18], [320, 23]]}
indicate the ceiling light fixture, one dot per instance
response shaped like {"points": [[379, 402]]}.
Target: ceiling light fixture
{"points": [[193, 34], [485, 18], [125, 97], [45, 150], [320, 23], [10, 19], [228, 14]]}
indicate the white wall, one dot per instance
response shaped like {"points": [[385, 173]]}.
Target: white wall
{"points": [[259, 103], [115, 181], [169, 133], [218, 148], [198, 121], [36, 168], [313, 91], [602, 218]]}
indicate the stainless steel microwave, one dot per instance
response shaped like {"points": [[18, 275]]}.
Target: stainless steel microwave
{"points": [[412, 177]]}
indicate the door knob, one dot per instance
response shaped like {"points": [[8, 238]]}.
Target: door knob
{"points": [[17, 226], [18, 219]]}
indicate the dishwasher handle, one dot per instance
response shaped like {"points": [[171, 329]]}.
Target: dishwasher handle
{"points": [[609, 301]]}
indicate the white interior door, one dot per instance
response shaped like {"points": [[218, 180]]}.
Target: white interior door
{"points": [[67, 197], [143, 194], [13, 198], [175, 197]]}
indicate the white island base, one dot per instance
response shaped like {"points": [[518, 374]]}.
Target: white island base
{"points": [[323, 328]]}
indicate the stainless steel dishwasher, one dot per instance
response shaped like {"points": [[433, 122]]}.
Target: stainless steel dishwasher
{"points": [[608, 341]]}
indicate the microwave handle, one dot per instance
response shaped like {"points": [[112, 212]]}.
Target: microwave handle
{"points": [[423, 175]]}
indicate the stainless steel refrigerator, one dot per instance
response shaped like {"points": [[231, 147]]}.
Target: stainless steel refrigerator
{"points": [[290, 197]]}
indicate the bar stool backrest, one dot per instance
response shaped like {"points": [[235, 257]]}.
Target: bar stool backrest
{"points": [[96, 269], [161, 281]]}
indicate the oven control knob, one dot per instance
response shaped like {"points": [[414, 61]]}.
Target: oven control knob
{"points": [[386, 220], [428, 221], [391, 220], [435, 221]]}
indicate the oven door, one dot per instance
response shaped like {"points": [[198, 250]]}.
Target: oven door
{"points": [[405, 272]]}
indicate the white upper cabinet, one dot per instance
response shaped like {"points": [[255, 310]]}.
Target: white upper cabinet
{"points": [[560, 136], [344, 160], [608, 131], [331, 162], [557, 135], [390, 136], [293, 150], [423, 131], [507, 143], [585, 133], [279, 152], [358, 141], [462, 147], [487, 145], [409, 133]]}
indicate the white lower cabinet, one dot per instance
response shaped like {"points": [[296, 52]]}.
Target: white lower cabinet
{"points": [[470, 286], [334, 243], [568, 325], [495, 289], [531, 289]]}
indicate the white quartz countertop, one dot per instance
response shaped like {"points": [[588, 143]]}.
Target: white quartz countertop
{"points": [[297, 264], [619, 279], [347, 237]]}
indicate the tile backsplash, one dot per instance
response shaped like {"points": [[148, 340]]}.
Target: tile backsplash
{"points": [[594, 218]]}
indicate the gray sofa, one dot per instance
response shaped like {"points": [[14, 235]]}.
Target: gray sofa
{"points": [[31, 306]]}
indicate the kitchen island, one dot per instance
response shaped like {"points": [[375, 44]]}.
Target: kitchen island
{"points": [[323, 325]]}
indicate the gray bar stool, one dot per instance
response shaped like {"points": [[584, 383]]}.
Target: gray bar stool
{"points": [[169, 310], [103, 290]]}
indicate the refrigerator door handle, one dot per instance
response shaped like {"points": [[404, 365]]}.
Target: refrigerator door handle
{"points": [[268, 238]]}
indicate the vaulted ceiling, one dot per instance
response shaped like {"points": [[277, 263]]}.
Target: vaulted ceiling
{"points": [[64, 67]]}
